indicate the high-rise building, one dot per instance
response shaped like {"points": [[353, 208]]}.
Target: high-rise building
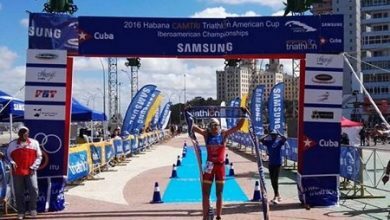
{"points": [[376, 47], [234, 81]]}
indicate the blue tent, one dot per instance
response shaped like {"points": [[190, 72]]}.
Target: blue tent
{"points": [[81, 112], [13, 107]]}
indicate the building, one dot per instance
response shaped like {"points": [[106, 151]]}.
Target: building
{"points": [[235, 81], [376, 47]]}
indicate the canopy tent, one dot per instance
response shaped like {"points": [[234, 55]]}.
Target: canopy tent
{"points": [[10, 108], [81, 112], [352, 129], [345, 122]]}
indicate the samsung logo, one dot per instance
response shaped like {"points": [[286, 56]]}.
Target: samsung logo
{"points": [[323, 78], [46, 56]]}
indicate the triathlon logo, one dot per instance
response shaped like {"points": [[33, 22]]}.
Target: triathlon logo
{"points": [[50, 143]]}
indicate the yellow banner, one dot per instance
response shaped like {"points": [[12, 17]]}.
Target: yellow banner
{"points": [[244, 104], [153, 110]]}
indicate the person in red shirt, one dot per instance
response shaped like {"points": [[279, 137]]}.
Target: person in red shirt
{"points": [[25, 157], [215, 140]]}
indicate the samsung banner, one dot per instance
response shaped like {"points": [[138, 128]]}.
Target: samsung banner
{"points": [[136, 107], [164, 115], [47, 102], [276, 108], [319, 138], [209, 37], [53, 31], [140, 123], [256, 110]]}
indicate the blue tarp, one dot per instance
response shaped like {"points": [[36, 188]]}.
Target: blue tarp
{"points": [[15, 107], [81, 112]]}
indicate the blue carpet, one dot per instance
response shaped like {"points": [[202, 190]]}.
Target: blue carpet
{"points": [[186, 188]]}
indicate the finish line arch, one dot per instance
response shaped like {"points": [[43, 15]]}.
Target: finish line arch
{"points": [[316, 40]]}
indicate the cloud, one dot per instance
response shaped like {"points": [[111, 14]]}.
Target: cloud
{"points": [[268, 3], [24, 22], [219, 12], [15, 80], [7, 58]]}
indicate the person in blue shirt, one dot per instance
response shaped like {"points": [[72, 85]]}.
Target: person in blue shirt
{"points": [[274, 145]]}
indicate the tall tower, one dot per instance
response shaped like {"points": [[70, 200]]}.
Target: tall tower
{"points": [[113, 91]]}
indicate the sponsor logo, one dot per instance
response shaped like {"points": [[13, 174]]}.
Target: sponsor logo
{"points": [[324, 60], [45, 93], [328, 143], [322, 115], [323, 78], [323, 97], [297, 45], [45, 75], [17, 107], [38, 113], [205, 47], [44, 32], [331, 24], [297, 26], [46, 56]]}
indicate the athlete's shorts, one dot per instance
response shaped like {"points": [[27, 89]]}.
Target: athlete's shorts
{"points": [[218, 172]]}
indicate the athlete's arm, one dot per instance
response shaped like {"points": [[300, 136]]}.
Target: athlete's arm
{"points": [[235, 128], [199, 130]]}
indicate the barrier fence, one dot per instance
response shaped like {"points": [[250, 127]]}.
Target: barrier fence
{"points": [[85, 160], [361, 167]]}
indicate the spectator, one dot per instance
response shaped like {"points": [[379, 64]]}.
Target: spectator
{"points": [[344, 138], [362, 134], [274, 146], [25, 157], [387, 173], [82, 138], [116, 133]]}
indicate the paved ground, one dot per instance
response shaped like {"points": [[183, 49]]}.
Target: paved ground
{"points": [[125, 193]]}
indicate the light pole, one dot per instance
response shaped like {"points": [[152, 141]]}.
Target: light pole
{"points": [[104, 87], [185, 89]]}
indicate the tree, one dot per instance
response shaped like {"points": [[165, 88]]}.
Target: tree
{"points": [[298, 7], [60, 6]]}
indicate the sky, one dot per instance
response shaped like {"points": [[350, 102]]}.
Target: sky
{"points": [[170, 75]]}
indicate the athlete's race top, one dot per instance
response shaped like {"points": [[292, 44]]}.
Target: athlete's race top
{"points": [[215, 148]]}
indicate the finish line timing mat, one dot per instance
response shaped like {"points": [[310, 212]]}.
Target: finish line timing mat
{"points": [[186, 187]]}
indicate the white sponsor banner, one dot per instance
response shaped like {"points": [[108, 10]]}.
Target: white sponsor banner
{"points": [[324, 61], [314, 114], [324, 78], [45, 112], [323, 96], [46, 75], [37, 56], [45, 93]]}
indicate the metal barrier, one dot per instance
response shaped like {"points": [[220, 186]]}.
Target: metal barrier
{"points": [[364, 166]]}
